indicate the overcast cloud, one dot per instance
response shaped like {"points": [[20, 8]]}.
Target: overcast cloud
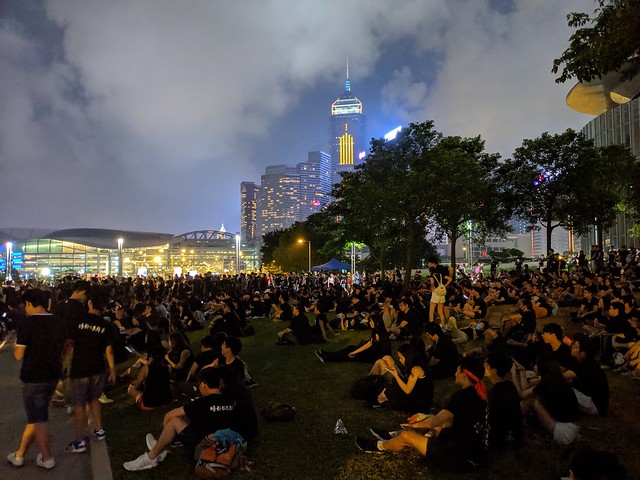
{"points": [[147, 114]]}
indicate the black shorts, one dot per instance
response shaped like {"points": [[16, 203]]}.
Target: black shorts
{"points": [[190, 440]]}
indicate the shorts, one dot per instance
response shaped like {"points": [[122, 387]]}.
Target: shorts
{"points": [[190, 440], [565, 433], [86, 389], [36, 398], [435, 298]]}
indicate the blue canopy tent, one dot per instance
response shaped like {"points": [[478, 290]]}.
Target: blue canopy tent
{"points": [[332, 264]]}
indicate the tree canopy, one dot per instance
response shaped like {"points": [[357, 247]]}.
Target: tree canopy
{"points": [[608, 41], [565, 180]]}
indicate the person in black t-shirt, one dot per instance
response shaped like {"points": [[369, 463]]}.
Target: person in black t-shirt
{"points": [[506, 426], [587, 378], [553, 336], [92, 343], [443, 355], [191, 423], [461, 428], [39, 345]]}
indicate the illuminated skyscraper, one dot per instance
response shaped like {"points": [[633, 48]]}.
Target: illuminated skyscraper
{"points": [[278, 203], [248, 210], [315, 183], [348, 132]]}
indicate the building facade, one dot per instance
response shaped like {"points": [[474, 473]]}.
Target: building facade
{"points": [[248, 210], [616, 107], [278, 203], [95, 252], [348, 133]]}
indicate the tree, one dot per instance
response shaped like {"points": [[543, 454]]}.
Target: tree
{"points": [[462, 183], [384, 201], [607, 42], [564, 180]]}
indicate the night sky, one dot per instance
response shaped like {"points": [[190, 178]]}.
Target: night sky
{"points": [[147, 114]]}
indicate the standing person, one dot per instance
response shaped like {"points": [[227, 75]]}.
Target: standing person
{"points": [[438, 275], [92, 343], [72, 311], [39, 345]]}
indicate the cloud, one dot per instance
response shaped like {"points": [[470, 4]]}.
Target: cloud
{"points": [[147, 114], [494, 74]]}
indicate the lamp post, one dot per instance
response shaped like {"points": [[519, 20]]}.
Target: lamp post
{"points": [[9, 248], [120, 242], [237, 253], [309, 242]]}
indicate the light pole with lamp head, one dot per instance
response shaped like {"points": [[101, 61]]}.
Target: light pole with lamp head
{"points": [[300, 240]]}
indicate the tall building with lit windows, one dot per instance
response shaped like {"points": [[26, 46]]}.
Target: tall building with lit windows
{"points": [[248, 210], [348, 133], [315, 183], [278, 200], [615, 104]]}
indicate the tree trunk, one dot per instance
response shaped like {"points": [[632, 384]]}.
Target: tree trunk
{"points": [[549, 231], [409, 258], [452, 241]]}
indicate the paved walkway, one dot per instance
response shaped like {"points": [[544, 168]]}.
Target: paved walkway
{"points": [[94, 465]]}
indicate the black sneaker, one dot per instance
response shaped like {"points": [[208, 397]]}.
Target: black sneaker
{"points": [[283, 342], [373, 405], [368, 445], [319, 355]]}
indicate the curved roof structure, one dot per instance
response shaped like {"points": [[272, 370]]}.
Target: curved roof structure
{"points": [[92, 237], [602, 94]]}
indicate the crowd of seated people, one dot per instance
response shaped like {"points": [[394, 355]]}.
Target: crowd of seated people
{"points": [[568, 382]]}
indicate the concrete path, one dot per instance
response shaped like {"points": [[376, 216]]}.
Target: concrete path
{"points": [[94, 465]]}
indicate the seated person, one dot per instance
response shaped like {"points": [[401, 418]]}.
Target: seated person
{"points": [[229, 360], [407, 324], [506, 426], [552, 401], [475, 307], [373, 349], [321, 319], [442, 355], [459, 432], [408, 385], [590, 464], [179, 357], [283, 310], [213, 411], [299, 330], [588, 380], [553, 337], [152, 385]]}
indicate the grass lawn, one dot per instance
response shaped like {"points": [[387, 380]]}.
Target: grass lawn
{"points": [[307, 448]]}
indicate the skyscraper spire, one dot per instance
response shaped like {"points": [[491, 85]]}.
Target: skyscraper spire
{"points": [[347, 84]]}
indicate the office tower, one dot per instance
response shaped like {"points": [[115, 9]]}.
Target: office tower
{"points": [[278, 199], [248, 210], [315, 183], [616, 106], [348, 133]]}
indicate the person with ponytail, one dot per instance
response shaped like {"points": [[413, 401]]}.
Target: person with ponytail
{"points": [[461, 428]]}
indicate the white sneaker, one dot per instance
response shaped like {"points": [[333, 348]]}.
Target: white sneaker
{"points": [[143, 462], [151, 442], [46, 464], [14, 460]]}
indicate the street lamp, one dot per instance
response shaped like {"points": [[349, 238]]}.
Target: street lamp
{"points": [[300, 240], [120, 242], [9, 248], [237, 254]]}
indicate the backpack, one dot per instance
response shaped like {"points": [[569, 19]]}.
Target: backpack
{"points": [[367, 387], [213, 460], [278, 412], [440, 290]]}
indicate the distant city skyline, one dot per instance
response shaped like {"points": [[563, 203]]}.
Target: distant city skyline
{"points": [[151, 126]]}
